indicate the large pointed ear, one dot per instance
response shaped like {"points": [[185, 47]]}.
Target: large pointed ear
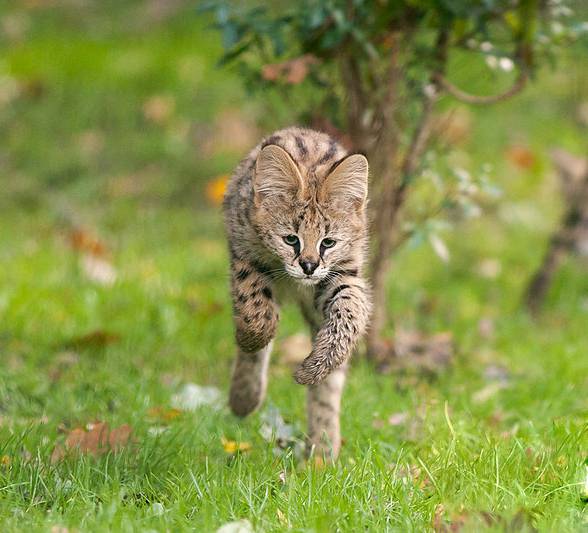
{"points": [[276, 174], [347, 184]]}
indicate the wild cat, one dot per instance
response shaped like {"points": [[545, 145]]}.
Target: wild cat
{"points": [[295, 215]]}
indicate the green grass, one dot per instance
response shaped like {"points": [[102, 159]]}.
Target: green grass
{"points": [[513, 460]]}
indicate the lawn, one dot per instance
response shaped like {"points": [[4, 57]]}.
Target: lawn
{"points": [[114, 124]]}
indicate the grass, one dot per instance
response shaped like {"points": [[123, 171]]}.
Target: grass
{"points": [[509, 458]]}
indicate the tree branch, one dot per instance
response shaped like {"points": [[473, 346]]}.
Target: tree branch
{"points": [[468, 98]]}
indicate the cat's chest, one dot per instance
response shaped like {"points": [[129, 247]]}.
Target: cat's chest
{"points": [[288, 290]]}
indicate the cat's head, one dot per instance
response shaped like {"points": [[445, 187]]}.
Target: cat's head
{"points": [[313, 219]]}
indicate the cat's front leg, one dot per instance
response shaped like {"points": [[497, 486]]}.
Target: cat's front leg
{"points": [[256, 317], [345, 306]]}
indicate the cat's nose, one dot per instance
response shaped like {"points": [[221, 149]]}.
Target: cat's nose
{"points": [[308, 267]]}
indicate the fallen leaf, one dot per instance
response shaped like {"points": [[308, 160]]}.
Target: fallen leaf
{"points": [[193, 396], [239, 526], [215, 189], [163, 414], [521, 156], [293, 71], [295, 348], [95, 439], [93, 340], [84, 241], [5, 460], [232, 447], [416, 351]]}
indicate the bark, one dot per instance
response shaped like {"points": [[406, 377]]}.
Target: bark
{"points": [[561, 245], [541, 281], [392, 174]]}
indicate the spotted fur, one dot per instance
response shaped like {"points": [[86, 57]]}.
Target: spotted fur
{"points": [[302, 186]]}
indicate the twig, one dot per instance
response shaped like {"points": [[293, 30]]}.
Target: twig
{"points": [[474, 99]]}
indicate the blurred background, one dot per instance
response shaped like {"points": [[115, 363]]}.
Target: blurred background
{"points": [[118, 130]]}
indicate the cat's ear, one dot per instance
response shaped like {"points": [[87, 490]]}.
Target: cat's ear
{"points": [[276, 174], [347, 184]]}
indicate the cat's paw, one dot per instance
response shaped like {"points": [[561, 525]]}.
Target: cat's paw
{"points": [[312, 370]]}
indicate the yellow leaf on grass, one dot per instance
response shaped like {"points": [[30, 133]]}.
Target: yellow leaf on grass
{"points": [[232, 447], [5, 460], [163, 414], [215, 189]]}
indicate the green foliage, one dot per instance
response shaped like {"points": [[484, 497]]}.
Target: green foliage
{"points": [[367, 30]]}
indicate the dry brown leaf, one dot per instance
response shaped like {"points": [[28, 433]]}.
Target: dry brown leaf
{"points": [[95, 339], [164, 414], [84, 241], [521, 156], [416, 351], [293, 71], [96, 439]]}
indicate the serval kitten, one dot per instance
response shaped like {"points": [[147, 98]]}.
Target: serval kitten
{"points": [[295, 212]]}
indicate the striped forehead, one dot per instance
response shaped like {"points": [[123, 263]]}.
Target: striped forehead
{"points": [[314, 153], [310, 221]]}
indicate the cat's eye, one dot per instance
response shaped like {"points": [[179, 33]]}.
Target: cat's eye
{"points": [[292, 240], [328, 243]]}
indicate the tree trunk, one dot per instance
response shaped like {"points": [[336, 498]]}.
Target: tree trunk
{"points": [[394, 184], [560, 245]]}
